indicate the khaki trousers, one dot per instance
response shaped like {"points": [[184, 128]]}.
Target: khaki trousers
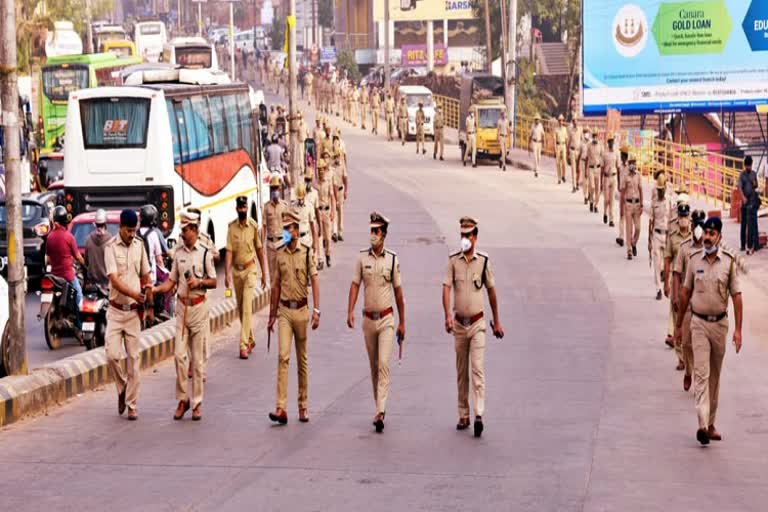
{"points": [[327, 229], [632, 213], [363, 114], [196, 324], [575, 177], [375, 121], [471, 149], [123, 328], [470, 346], [292, 324], [584, 178], [338, 221], [390, 126], [353, 113], [420, 139], [503, 151], [560, 161], [708, 340], [536, 147], [379, 338], [271, 261], [245, 286], [621, 220], [403, 129], [594, 185], [671, 322], [658, 243], [609, 190], [687, 343], [309, 94], [438, 143]]}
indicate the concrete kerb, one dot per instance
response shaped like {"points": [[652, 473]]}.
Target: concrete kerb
{"points": [[57, 382]]}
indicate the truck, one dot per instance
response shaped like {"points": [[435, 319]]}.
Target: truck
{"points": [[483, 94]]}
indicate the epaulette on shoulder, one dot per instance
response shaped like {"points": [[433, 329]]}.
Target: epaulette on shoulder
{"points": [[364, 250], [687, 241], [305, 244], [483, 254], [697, 251], [454, 254], [393, 253], [232, 223]]}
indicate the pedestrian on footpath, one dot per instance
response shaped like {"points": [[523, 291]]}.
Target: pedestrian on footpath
{"points": [[420, 120], [711, 277], [574, 150], [378, 270], [750, 203], [675, 239], [535, 141], [680, 267], [661, 211], [245, 254], [608, 180], [439, 124], [402, 120], [273, 222], [470, 148], [289, 308], [632, 199], [375, 110], [389, 111], [192, 272], [502, 131], [561, 141], [127, 268], [467, 273], [622, 176], [594, 165]]}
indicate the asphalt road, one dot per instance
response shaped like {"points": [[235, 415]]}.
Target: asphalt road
{"points": [[584, 409]]}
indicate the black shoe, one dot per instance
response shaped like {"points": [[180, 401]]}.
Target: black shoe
{"points": [[464, 163], [620, 241], [478, 426], [474, 165], [423, 151], [379, 424], [605, 219], [341, 238], [335, 237], [611, 224], [121, 403], [591, 207], [499, 164], [434, 157], [634, 250], [441, 158], [586, 200], [658, 295], [629, 256], [535, 175], [702, 436], [328, 261]]}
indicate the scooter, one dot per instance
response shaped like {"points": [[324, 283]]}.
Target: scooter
{"points": [[93, 313], [58, 309]]}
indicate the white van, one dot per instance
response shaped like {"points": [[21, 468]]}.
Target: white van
{"points": [[150, 37], [415, 94], [63, 40], [244, 41], [190, 52]]}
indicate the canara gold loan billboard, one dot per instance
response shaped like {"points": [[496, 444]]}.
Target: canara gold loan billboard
{"points": [[644, 56], [424, 10]]}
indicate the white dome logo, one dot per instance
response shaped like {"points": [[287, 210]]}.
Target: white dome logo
{"points": [[630, 30]]}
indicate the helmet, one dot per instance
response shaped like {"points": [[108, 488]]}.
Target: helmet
{"points": [[101, 217], [682, 198], [275, 180], [661, 181], [698, 217], [148, 215], [60, 215], [301, 191], [683, 210]]}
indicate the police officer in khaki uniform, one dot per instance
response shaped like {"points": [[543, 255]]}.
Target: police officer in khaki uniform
{"points": [[439, 124], [622, 176], [244, 248], [402, 120], [363, 106], [326, 205], [308, 81], [312, 200], [536, 140], [583, 169], [677, 236], [378, 269], [420, 120], [467, 273], [632, 199], [608, 180], [193, 272], [470, 148], [295, 271], [389, 115], [658, 227], [340, 180], [306, 213], [574, 149], [679, 268], [273, 227], [710, 278], [375, 107], [502, 131], [594, 166], [127, 268], [561, 141]]}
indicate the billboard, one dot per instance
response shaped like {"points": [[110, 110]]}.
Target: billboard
{"points": [[414, 55], [424, 10], [651, 56]]}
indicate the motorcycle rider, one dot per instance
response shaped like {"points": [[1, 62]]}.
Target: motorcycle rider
{"points": [[94, 251], [61, 251], [152, 239]]}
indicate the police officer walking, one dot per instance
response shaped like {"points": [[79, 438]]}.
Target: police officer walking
{"points": [[675, 239], [594, 166], [273, 218], [710, 278], [420, 120], [375, 109], [467, 273], [378, 270], [622, 176], [127, 267], [608, 180], [389, 111], [561, 140], [439, 124], [574, 148], [244, 248], [470, 148], [502, 131], [657, 231], [402, 119], [295, 271], [536, 139], [632, 198]]}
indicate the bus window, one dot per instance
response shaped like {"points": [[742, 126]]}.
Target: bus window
{"points": [[59, 81], [114, 122], [245, 121], [197, 122], [230, 112], [174, 131], [217, 124]]}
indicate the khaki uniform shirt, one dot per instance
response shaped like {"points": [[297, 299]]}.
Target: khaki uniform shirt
{"points": [[439, 121], [389, 106], [311, 199], [537, 133], [306, 215], [272, 120], [583, 150], [574, 141], [503, 127], [631, 185], [364, 96], [561, 136], [610, 160], [660, 210], [325, 191], [594, 154], [129, 262], [680, 265], [318, 134], [466, 278], [674, 241], [375, 101], [402, 111], [470, 124], [379, 275], [711, 283], [273, 221], [420, 119], [294, 269], [623, 172], [243, 241], [185, 259], [308, 78]]}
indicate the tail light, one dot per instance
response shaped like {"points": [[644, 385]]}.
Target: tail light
{"points": [[164, 225], [42, 229], [46, 284]]}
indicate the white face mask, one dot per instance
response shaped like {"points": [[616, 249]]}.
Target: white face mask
{"points": [[466, 245], [698, 232]]}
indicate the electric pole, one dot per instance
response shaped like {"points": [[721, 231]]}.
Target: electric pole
{"points": [[512, 71], [293, 155], [14, 348], [386, 46], [89, 28], [488, 48]]}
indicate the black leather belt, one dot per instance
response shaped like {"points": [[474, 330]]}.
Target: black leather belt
{"points": [[711, 318], [633, 200], [274, 238], [535, 140], [294, 304], [302, 234], [661, 231], [594, 166], [560, 143], [323, 208], [467, 321]]}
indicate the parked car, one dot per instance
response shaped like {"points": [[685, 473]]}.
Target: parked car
{"points": [[36, 226], [82, 226]]}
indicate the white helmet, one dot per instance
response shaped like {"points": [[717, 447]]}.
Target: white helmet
{"points": [[683, 198], [101, 217]]}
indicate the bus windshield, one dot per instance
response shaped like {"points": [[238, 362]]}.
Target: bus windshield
{"points": [[149, 29], [413, 100], [114, 122], [194, 57], [60, 80]]}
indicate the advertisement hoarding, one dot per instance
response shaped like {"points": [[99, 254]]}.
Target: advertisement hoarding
{"points": [[424, 10], [651, 56], [414, 55]]}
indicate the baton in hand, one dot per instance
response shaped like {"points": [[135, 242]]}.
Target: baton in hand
{"points": [[399, 350], [495, 332], [269, 339]]}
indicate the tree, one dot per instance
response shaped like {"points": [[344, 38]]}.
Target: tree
{"points": [[347, 61], [325, 13], [278, 35]]}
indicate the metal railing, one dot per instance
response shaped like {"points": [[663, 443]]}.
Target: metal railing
{"points": [[451, 110]]}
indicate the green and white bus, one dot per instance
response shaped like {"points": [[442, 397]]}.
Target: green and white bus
{"points": [[63, 74]]}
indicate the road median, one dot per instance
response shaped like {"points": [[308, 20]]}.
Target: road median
{"points": [[55, 383]]}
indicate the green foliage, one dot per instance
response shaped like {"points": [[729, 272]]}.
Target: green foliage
{"points": [[278, 35], [347, 61], [325, 13], [530, 100]]}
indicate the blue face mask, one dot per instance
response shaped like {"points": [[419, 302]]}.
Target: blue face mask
{"points": [[287, 237]]}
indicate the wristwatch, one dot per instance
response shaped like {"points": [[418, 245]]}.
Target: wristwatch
{"points": [[316, 311]]}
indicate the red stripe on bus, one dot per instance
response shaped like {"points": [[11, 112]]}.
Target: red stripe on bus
{"points": [[208, 176]]}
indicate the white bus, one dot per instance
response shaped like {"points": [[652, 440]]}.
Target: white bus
{"points": [[191, 53], [150, 37], [170, 144]]}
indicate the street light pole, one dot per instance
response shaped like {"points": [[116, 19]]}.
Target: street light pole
{"points": [[386, 46], [14, 356], [488, 48], [512, 71], [293, 155]]}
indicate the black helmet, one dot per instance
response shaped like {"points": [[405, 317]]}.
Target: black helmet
{"points": [[698, 217], [60, 215], [683, 210], [148, 215]]}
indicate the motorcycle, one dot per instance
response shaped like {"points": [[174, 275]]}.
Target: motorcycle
{"points": [[58, 309], [93, 313]]}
